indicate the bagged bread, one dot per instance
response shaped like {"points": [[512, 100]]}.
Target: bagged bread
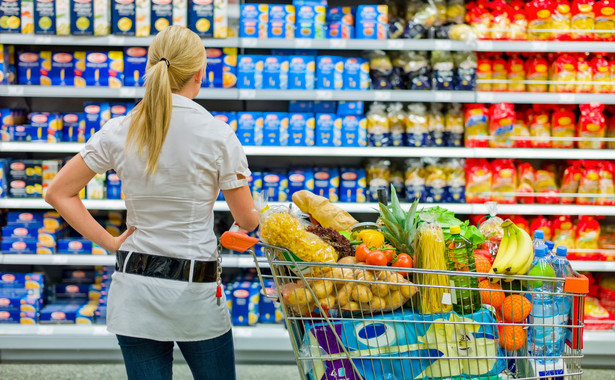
{"points": [[323, 211]]}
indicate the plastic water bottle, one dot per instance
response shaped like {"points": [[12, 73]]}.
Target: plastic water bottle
{"points": [[539, 238], [563, 303], [460, 258], [550, 245], [544, 338]]}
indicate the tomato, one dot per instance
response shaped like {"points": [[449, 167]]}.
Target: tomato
{"points": [[361, 252], [389, 252], [376, 258], [403, 260]]}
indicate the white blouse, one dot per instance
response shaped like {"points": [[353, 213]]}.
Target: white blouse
{"points": [[173, 213]]}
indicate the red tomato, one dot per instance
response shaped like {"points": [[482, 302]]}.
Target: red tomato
{"points": [[361, 252], [403, 261], [376, 258], [389, 252]]}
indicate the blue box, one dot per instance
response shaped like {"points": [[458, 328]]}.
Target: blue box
{"points": [[12, 9], [246, 298], [255, 182], [301, 73], [356, 74], [82, 17], [269, 311], [96, 115], [372, 22], [29, 303], [250, 128], [114, 186], [301, 106], [327, 183], [229, 118], [62, 71], [275, 187], [161, 15], [61, 313], [201, 17], [104, 69], [135, 62], [25, 218], [353, 185], [340, 23], [325, 107], [250, 72], [28, 281], [254, 20], [221, 71], [301, 129], [72, 291], [350, 108], [78, 276], [29, 68], [281, 22], [311, 21], [118, 109], [328, 130], [74, 246], [44, 15], [10, 303], [123, 14], [19, 246], [12, 316], [300, 179], [329, 72], [275, 126], [354, 131], [19, 232], [74, 127], [275, 73]]}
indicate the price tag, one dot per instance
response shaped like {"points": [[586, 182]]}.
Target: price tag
{"points": [[484, 45], [484, 97], [539, 46], [247, 94], [42, 40], [128, 92], [339, 44], [44, 330], [443, 96], [395, 44], [99, 330], [447, 299], [567, 98], [382, 95], [244, 333], [443, 45], [59, 259], [303, 43], [324, 94], [249, 42], [15, 90], [117, 40]]}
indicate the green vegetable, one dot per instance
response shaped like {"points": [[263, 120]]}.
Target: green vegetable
{"points": [[446, 219]]}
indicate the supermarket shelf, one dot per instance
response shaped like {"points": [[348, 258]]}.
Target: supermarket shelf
{"points": [[40, 204], [541, 46], [27, 147], [594, 266], [100, 92], [542, 98], [367, 95], [111, 40], [354, 44]]}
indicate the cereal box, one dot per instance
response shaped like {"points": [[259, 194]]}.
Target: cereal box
{"points": [[281, 23], [82, 17], [114, 186], [162, 15], [340, 23], [142, 16], [29, 68], [27, 16], [328, 130], [246, 298], [44, 16], [124, 17], [104, 69], [329, 73], [96, 115], [354, 131], [356, 74], [95, 189], [62, 21], [301, 73], [250, 72], [311, 22], [74, 127], [221, 71], [275, 73], [301, 128], [10, 21], [221, 29], [254, 20], [275, 125], [326, 183], [201, 17], [229, 118], [300, 179], [275, 187], [250, 128], [353, 185], [372, 22]]}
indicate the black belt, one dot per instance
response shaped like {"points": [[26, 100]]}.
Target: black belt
{"points": [[169, 268]]}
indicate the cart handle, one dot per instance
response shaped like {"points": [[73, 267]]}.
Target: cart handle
{"points": [[237, 241], [576, 285]]}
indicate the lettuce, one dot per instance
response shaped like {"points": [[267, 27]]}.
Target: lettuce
{"points": [[446, 219]]}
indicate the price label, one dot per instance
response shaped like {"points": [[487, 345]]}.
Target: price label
{"points": [[447, 299], [128, 92], [443, 96], [15, 90], [117, 40], [244, 333], [249, 42], [324, 95], [484, 45], [42, 40], [395, 44], [382, 95], [247, 94], [59, 259], [567, 98], [539, 46], [339, 44], [44, 330], [443, 45], [99, 330], [303, 43], [484, 97]]}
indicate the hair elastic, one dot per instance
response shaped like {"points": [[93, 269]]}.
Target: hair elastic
{"points": [[166, 61]]}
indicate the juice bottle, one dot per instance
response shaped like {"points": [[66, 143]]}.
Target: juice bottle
{"points": [[460, 258]]}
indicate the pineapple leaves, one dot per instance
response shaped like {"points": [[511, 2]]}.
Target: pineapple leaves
{"points": [[410, 219], [396, 207]]}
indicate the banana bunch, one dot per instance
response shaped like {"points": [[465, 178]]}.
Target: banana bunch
{"points": [[516, 253]]}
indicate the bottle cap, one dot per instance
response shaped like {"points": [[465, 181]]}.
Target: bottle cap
{"points": [[539, 234], [540, 251], [549, 245], [561, 251], [455, 230]]}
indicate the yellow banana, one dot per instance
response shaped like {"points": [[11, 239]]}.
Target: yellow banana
{"points": [[524, 253], [507, 251]]}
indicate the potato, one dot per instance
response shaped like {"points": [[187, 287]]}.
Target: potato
{"points": [[302, 310], [375, 304], [408, 290], [343, 293], [380, 289], [329, 302], [348, 260], [342, 274], [322, 288], [392, 278], [364, 275], [351, 306], [395, 300], [297, 295], [361, 293]]}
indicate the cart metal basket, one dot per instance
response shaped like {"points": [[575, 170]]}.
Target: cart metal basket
{"points": [[353, 321]]}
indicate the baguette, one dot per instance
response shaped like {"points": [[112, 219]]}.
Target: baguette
{"points": [[323, 211]]}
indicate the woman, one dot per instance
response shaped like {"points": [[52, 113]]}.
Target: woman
{"points": [[173, 158]]}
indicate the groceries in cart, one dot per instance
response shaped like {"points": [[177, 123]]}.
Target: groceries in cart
{"points": [[420, 294]]}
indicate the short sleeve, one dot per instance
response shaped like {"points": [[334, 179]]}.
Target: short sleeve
{"points": [[95, 154], [231, 163]]}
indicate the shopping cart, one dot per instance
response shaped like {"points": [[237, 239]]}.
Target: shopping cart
{"points": [[390, 338]]}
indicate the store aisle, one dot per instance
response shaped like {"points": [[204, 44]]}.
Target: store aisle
{"points": [[181, 372]]}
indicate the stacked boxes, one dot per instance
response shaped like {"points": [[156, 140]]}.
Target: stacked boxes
{"points": [[32, 233], [221, 69], [254, 20], [20, 297]]}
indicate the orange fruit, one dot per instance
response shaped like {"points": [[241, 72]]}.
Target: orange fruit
{"points": [[516, 308], [512, 338], [482, 264], [493, 295]]}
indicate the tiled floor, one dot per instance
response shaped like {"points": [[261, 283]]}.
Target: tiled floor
{"points": [[181, 372]]}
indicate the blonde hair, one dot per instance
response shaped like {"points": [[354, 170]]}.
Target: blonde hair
{"points": [[150, 119]]}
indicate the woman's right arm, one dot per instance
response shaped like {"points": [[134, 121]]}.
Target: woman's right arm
{"points": [[242, 207]]}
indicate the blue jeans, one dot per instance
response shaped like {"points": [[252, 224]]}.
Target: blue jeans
{"points": [[212, 359]]}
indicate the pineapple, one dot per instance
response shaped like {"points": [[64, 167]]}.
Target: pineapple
{"points": [[399, 227]]}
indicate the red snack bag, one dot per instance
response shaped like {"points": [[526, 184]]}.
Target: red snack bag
{"points": [[561, 20], [476, 122], [478, 180], [605, 187], [585, 74], [537, 69], [601, 69], [479, 18], [515, 67], [570, 182], [500, 22], [543, 224], [500, 72], [592, 124], [611, 129], [589, 183], [583, 20], [540, 126], [545, 184], [564, 232], [504, 181], [588, 235], [604, 12], [521, 129], [563, 122], [563, 70], [484, 71], [539, 16], [526, 181], [521, 222], [518, 21], [501, 125]]}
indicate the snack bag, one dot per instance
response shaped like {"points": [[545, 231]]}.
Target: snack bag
{"points": [[501, 125], [605, 186], [611, 130], [560, 22], [465, 63], [397, 123], [418, 77], [415, 181], [521, 129], [499, 72], [592, 124], [545, 184], [435, 181], [604, 12], [500, 22], [476, 121], [563, 70], [543, 224], [478, 180], [588, 233], [515, 67], [589, 183], [453, 126], [564, 233], [417, 128], [585, 74], [378, 129], [484, 72], [518, 21], [526, 180], [480, 19], [563, 121], [380, 69], [442, 70], [504, 181], [378, 176], [455, 180], [540, 127], [436, 125], [521, 222], [601, 69], [537, 69], [583, 20], [570, 182], [539, 15]]}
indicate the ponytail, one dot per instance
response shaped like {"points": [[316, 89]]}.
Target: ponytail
{"points": [[174, 56]]}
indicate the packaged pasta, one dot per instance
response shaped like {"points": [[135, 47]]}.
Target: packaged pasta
{"points": [[418, 71], [564, 232], [415, 181], [455, 180], [378, 129], [563, 71], [478, 180], [443, 68], [484, 72], [504, 182], [588, 233], [606, 190], [585, 75], [435, 181], [501, 125], [589, 183], [583, 20], [465, 78], [397, 123], [560, 22], [453, 126], [540, 14], [417, 128], [543, 224], [455, 11], [601, 70], [563, 122], [592, 124], [515, 67], [521, 129], [537, 69], [378, 174], [436, 125], [380, 70], [546, 185], [570, 182], [604, 26], [480, 20], [476, 121], [500, 21], [540, 127], [499, 73], [518, 25], [525, 183], [491, 228]]}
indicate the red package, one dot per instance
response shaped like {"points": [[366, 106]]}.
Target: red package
{"points": [[500, 22], [504, 182], [539, 16], [563, 122], [501, 125], [526, 182], [478, 180], [596, 316], [543, 224], [592, 124], [521, 128], [540, 126], [601, 70], [589, 183], [570, 182], [564, 232], [604, 12], [537, 69], [605, 186], [564, 71], [476, 122], [484, 71], [561, 21], [518, 21], [587, 237], [583, 20], [500, 72], [585, 75], [479, 18], [521, 222], [611, 121], [515, 67], [546, 186]]}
